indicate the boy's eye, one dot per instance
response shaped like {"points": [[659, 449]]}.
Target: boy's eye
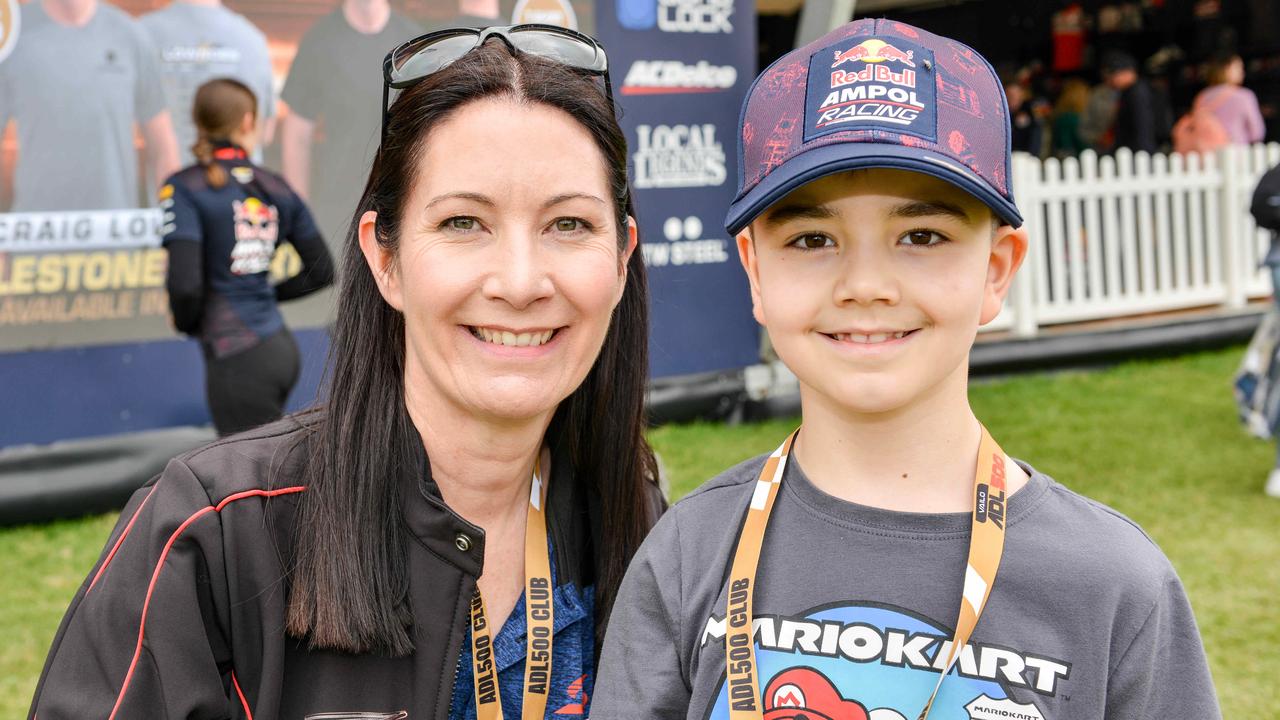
{"points": [[921, 238], [812, 242]]}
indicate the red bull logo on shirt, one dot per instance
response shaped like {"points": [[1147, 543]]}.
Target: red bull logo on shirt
{"points": [[257, 226]]}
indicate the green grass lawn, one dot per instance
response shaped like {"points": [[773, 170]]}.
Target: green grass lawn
{"points": [[1157, 440]]}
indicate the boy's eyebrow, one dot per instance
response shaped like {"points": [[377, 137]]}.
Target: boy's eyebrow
{"points": [[925, 208], [797, 211]]}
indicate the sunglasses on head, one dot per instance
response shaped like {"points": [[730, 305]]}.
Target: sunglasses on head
{"points": [[415, 59]]}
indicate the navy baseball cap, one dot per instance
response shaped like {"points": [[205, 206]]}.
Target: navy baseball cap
{"points": [[874, 94]]}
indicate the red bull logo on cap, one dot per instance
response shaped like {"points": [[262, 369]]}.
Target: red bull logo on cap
{"points": [[869, 83], [874, 51]]}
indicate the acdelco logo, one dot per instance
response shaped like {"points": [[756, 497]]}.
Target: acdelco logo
{"points": [[874, 51], [652, 77]]}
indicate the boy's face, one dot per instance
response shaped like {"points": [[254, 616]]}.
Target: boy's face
{"points": [[872, 283]]}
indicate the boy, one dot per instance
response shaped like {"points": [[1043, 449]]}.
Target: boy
{"points": [[878, 231]]}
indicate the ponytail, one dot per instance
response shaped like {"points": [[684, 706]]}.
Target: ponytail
{"points": [[220, 105], [214, 174]]}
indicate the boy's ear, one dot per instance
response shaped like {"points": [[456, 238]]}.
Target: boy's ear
{"points": [[381, 261], [1008, 249], [747, 254]]}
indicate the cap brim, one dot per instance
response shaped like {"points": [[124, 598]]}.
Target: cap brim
{"points": [[839, 157]]}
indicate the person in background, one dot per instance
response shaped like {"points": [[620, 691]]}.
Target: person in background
{"points": [[199, 40], [224, 219], [81, 76], [1067, 115], [1265, 208], [333, 92], [1028, 130], [1135, 125], [1099, 117], [1234, 106]]}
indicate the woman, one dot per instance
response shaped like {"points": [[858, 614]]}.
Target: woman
{"points": [[224, 219], [487, 378], [1235, 107], [1067, 113]]}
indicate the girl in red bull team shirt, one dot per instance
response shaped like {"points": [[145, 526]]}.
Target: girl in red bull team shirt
{"points": [[224, 221]]}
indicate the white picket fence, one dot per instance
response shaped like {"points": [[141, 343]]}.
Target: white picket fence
{"points": [[1132, 234]]}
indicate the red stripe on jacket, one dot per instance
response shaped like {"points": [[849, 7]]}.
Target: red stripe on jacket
{"points": [[155, 576]]}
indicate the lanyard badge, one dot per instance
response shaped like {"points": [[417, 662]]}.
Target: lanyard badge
{"points": [[986, 545], [539, 617]]}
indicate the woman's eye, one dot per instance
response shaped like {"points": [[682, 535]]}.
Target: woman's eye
{"points": [[813, 242], [921, 238], [570, 225], [464, 224]]}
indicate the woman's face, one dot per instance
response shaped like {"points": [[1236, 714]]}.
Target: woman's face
{"points": [[508, 267], [1235, 72]]}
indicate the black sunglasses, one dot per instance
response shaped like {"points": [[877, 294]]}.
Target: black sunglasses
{"points": [[415, 59]]}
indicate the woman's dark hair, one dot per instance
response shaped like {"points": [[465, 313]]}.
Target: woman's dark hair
{"points": [[219, 107], [349, 581], [1218, 67]]}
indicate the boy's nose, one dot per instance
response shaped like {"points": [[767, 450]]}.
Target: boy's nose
{"points": [[866, 278]]}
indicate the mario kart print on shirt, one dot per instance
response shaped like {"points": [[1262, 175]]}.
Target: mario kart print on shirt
{"points": [[873, 662]]}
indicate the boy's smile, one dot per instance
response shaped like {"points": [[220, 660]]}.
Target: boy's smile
{"points": [[872, 284]]}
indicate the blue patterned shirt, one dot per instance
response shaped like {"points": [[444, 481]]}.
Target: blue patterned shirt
{"points": [[572, 661]]}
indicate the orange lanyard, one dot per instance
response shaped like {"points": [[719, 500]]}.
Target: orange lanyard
{"points": [[539, 615], [986, 545]]}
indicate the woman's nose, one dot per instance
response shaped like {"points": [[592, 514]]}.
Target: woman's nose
{"points": [[520, 275]]}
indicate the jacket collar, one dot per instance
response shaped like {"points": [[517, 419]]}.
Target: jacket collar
{"points": [[445, 533]]}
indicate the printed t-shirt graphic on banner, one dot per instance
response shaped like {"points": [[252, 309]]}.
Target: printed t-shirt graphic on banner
{"points": [[198, 43], [680, 69]]}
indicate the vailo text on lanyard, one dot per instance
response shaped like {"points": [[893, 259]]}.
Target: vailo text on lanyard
{"points": [[539, 616], [986, 545]]}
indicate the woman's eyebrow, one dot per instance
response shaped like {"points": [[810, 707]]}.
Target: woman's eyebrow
{"points": [[926, 208], [566, 197], [475, 197], [782, 214]]}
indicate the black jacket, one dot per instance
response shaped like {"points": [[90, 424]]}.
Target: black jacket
{"points": [[183, 616]]}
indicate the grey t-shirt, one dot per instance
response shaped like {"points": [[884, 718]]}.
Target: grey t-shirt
{"points": [[1087, 619], [198, 43], [336, 82], [76, 93]]}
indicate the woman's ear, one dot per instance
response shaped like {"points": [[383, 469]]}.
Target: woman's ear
{"points": [[381, 261], [1008, 250], [633, 239]]}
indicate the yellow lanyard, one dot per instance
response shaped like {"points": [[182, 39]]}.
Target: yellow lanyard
{"points": [[539, 615], [986, 545]]}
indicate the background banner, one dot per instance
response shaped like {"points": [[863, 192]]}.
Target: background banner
{"points": [[680, 70], [86, 346]]}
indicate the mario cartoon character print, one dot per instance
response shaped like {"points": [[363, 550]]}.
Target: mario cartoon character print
{"points": [[874, 662]]}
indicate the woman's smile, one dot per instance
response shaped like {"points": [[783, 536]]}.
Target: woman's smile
{"points": [[515, 342]]}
